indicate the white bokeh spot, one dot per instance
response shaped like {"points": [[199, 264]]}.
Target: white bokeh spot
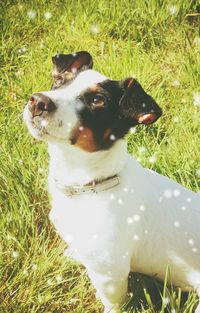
{"points": [[167, 193], [58, 278], [49, 282], [31, 14], [44, 123], [34, 267], [25, 272], [198, 172], [194, 249], [176, 192], [15, 254], [112, 196], [136, 218], [177, 224], [191, 242], [142, 208], [196, 98], [133, 130], [141, 150], [110, 288], [129, 220], [135, 237], [152, 159], [79, 105], [94, 29], [173, 9], [166, 301], [176, 83], [48, 15], [120, 201], [112, 137], [176, 119]]}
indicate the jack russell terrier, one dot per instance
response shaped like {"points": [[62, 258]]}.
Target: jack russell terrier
{"points": [[116, 216]]}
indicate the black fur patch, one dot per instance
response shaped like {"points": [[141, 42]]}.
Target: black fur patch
{"points": [[111, 108]]}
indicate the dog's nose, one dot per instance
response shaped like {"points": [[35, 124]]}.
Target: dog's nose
{"points": [[39, 103]]}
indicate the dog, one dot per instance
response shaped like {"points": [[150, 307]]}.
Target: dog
{"points": [[116, 216]]}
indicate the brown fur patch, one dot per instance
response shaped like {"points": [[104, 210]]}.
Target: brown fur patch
{"points": [[94, 88], [83, 137], [131, 82]]}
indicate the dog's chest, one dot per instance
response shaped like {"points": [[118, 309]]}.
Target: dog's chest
{"points": [[82, 221], [94, 224]]}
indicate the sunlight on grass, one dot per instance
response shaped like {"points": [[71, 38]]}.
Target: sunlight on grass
{"points": [[152, 40]]}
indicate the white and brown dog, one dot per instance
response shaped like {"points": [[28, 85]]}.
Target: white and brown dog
{"points": [[115, 215]]}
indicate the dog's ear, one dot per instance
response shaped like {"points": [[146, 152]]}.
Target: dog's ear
{"points": [[136, 104], [73, 62], [67, 66]]}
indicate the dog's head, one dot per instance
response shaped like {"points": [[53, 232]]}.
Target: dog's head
{"points": [[85, 108]]}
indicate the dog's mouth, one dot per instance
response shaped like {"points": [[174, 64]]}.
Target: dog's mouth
{"points": [[43, 130], [39, 124]]}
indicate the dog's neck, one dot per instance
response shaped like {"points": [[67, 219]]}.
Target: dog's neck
{"points": [[70, 165]]}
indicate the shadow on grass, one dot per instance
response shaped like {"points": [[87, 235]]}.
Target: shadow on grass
{"points": [[151, 295]]}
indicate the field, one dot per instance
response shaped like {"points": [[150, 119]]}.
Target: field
{"points": [[156, 41]]}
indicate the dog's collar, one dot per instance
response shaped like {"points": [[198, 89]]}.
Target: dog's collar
{"points": [[92, 188]]}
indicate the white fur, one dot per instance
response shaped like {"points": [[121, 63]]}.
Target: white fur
{"points": [[145, 224]]}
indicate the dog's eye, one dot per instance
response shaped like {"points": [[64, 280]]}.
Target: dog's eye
{"points": [[98, 101]]}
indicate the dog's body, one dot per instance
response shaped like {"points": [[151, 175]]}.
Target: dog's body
{"points": [[142, 221]]}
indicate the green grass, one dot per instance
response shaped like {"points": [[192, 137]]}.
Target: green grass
{"points": [[135, 37]]}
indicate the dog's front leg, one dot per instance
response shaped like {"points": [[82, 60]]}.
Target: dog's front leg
{"points": [[111, 288]]}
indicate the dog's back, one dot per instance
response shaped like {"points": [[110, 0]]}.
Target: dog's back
{"points": [[172, 219]]}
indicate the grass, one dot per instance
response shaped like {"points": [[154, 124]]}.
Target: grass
{"points": [[153, 40]]}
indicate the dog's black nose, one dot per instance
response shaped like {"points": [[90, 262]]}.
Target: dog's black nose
{"points": [[39, 103]]}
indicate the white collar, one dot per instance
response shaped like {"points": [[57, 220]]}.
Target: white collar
{"points": [[93, 187]]}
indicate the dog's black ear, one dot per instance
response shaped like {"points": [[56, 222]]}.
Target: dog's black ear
{"points": [[73, 62], [136, 104], [66, 66]]}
